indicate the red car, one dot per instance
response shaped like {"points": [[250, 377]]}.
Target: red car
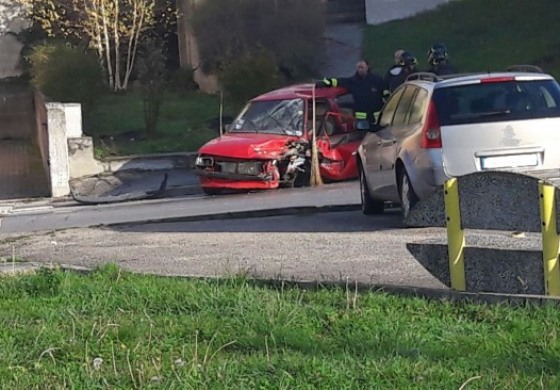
{"points": [[268, 144]]}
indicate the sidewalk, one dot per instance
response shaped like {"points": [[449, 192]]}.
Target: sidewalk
{"points": [[113, 188]]}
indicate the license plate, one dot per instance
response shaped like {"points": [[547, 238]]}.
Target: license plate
{"points": [[512, 161]]}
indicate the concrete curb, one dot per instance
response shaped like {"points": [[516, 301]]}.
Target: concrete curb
{"points": [[148, 162], [241, 214]]}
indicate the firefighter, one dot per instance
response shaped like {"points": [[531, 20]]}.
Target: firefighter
{"points": [[398, 75], [394, 71], [367, 89], [438, 60]]}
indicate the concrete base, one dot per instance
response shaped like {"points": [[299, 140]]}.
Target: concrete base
{"points": [[488, 200], [495, 270], [80, 158], [495, 259], [151, 162]]}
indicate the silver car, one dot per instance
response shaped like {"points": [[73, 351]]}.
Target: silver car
{"points": [[436, 127]]}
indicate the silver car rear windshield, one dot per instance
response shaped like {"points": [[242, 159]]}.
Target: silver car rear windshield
{"points": [[497, 101], [272, 117]]}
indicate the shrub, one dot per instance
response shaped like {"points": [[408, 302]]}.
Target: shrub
{"points": [[251, 75], [182, 81], [152, 77], [292, 29], [66, 74]]}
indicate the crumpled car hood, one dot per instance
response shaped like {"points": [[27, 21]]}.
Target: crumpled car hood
{"points": [[246, 146]]}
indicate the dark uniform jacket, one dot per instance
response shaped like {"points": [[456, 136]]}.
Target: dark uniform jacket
{"points": [[367, 91], [442, 69], [395, 77]]}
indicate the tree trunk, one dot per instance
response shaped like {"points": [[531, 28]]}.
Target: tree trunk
{"points": [[107, 44], [117, 42]]}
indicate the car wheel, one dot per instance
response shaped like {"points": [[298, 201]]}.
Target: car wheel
{"points": [[407, 194], [370, 206]]}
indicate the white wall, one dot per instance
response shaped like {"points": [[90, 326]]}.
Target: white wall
{"points": [[380, 11]]}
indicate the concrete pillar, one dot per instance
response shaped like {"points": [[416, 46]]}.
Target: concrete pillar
{"points": [[58, 150], [73, 113]]}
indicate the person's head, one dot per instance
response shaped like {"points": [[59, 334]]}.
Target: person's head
{"points": [[408, 61], [398, 56], [362, 68], [437, 54]]}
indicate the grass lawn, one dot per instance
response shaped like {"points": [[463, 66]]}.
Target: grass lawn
{"points": [[112, 329], [479, 34], [117, 124]]}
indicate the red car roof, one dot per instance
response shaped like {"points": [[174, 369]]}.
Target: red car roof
{"points": [[300, 90]]}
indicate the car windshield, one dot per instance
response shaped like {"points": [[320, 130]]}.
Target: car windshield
{"points": [[272, 117], [498, 101]]}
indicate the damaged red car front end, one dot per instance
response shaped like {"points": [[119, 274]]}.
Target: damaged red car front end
{"points": [[268, 144], [241, 161]]}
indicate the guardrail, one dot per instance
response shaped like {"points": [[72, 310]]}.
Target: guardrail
{"points": [[456, 241]]}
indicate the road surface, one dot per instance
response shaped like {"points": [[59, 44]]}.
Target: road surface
{"points": [[32, 219]]}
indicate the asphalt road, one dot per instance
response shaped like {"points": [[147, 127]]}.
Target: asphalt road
{"points": [[324, 246], [52, 217], [316, 246]]}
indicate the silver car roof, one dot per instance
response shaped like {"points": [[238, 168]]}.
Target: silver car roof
{"points": [[430, 80]]}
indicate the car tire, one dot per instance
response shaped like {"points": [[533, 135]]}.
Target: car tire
{"points": [[370, 206], [406, 194]]}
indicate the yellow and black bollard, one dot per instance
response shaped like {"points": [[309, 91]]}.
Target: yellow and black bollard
{"points": [[455, 235], [550, 239]]}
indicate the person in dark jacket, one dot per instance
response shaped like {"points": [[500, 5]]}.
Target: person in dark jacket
{"points": [[367, 89], [438, 60], [398, 74], [395, 70]]}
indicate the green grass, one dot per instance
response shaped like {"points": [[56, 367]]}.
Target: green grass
{"points": [[182, 127], [479, 34], [152, 332]]}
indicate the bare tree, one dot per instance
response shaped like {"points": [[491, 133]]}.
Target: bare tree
{"points": [[112, 27]]}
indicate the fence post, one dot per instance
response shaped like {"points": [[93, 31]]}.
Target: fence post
{"points": [[455, 235], [550, 239]]}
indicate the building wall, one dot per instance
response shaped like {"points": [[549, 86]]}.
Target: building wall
{"points": [[10, 48], [380, 11]]}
